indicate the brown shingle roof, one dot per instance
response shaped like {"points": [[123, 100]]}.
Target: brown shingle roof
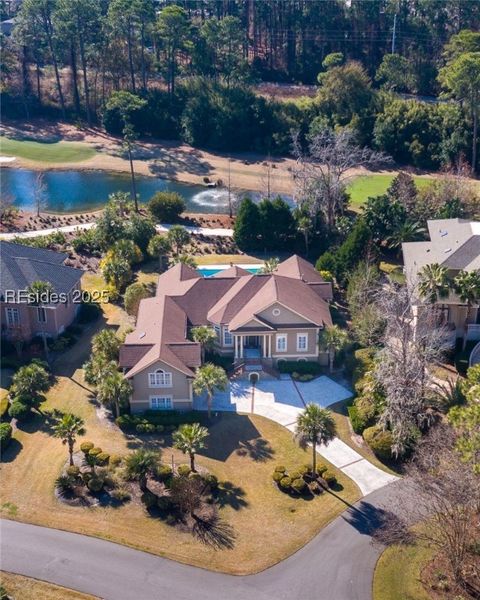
{"points": [[185, 298]]}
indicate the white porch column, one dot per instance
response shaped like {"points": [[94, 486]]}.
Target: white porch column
{"points": [[235, 344], [241, 346], [264, 346], [270, 346]]}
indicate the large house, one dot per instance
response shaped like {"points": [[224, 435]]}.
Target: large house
{"points": [[455, 245], [20, 266], [259, 320]]}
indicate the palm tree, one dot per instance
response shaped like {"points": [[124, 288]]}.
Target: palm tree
{"points": [[185, 259], [433, 283], [190, 438], [408, 231], [333, 339], [206, 337], [140, 464], [67, 429], [39, 293], [315, 425], [304, 226], [113, 389], [208, 379], [467, 286], [269, 266], [107, 344]]}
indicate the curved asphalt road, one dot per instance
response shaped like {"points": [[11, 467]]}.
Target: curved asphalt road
{"points": [[337, 564]]}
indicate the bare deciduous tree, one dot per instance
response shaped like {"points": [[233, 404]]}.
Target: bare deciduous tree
{"points": [[447, 499], [321, 175], [413, 341]]}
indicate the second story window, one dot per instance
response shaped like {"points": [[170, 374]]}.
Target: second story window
{"points": [[41, 314], [160, 379], [13, 316], [227, 338]]}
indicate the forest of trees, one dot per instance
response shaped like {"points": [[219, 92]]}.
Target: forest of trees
{"points": [[196, 64]]}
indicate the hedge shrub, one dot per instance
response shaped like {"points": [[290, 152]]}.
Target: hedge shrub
{"points": [[277, 476], [330, 478], [183, 470], [285, 483], [164, 472], [5, 435], [358, 425], [379, 440], [166, 206], [302, 367], [73, 471], [103, 458], [168, 419], [19, 411], [95, 484], [299, 485], [85, 447]]}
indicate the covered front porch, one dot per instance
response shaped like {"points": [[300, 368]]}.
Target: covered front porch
{"points": [[252, 345]]}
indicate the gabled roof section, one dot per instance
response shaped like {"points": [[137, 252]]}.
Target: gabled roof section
{"points": [[293, 294], [233, 271], [20, 266], [177, 280], [236, 297], [296, 267]]}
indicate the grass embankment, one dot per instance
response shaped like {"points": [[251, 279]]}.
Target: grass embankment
{"points": [[44, 151], [26, 588], [344, 432], [398, 571], [365, 186], [242, 451], [225, 259]]}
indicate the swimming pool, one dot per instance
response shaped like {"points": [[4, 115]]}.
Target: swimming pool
{"points": [[214, 269]]}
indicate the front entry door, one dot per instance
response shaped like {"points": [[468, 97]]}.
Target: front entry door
{"points": [[252, 341]]}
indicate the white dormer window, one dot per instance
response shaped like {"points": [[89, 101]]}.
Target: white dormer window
{"points": [[160, 379], [302, 342], [227, 338]]}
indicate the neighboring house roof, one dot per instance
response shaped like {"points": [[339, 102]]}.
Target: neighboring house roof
{"points": [[235, 298], [454, 243], [20, 266]]}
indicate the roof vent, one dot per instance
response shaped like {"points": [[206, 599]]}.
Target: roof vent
{"points": [[142, 335], [443, 233], [448, 250]]}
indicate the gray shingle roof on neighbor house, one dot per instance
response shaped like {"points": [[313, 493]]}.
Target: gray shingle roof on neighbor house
{"points": [[20, 266], [454, 243]]}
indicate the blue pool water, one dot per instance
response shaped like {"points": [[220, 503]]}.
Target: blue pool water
{"points": [[210, 272]]}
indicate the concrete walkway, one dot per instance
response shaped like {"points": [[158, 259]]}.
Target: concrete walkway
{"points": [[282, 401], [216, 232]]}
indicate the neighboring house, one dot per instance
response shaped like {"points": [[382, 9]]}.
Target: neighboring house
{"points": [[20, 267], [259, 320], [454, 244]]}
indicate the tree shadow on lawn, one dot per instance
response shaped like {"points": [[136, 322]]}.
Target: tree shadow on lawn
{"points": [[368, 519], [44, 421], [12, 451], [215, 533], [235, 433], [228, 494]]}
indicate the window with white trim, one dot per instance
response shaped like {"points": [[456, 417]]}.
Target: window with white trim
{"points": [[41, 314], [227, 338], [302, 342], [281, 341], [160, 379], [160, 402], [13, 316]]}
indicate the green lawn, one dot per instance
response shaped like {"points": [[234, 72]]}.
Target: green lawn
{"points": [[49, 152], [374, 185], [397, 574]]}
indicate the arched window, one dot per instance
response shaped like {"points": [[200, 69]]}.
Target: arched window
{"points": [[160, 378]]}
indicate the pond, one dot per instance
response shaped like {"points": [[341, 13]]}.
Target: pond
{"points": [[82, 191]]}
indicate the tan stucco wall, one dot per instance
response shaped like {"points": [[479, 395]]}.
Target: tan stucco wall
{"points": [[291, 334], [180, 390]]}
